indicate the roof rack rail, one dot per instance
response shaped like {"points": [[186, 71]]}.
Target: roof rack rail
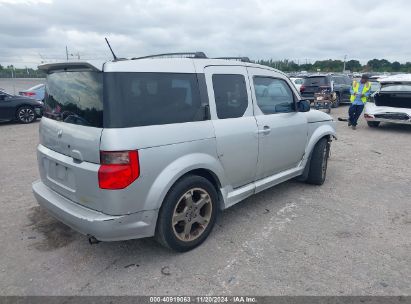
{"points": [[243, 59], [168, 55]]}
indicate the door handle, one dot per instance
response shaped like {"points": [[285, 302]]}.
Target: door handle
{"points": [[266, 130]]}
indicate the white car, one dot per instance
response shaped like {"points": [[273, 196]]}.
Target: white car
{"points": [[297, 82], [392, 103]]}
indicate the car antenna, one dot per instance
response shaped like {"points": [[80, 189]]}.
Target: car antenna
{"points": [[114, 55]]}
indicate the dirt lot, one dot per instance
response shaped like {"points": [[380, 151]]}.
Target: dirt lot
{"points": [[350, 236]]}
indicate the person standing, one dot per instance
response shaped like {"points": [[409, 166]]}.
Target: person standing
{"points": [[360, 91]]}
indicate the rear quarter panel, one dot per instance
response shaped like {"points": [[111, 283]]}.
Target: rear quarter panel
{"points": [[166, 153]]}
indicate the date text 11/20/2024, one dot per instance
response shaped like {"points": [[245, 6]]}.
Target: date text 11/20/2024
{"points": [[201, 299]]}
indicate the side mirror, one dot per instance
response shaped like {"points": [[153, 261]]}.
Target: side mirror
{"points": [[303, 106]]}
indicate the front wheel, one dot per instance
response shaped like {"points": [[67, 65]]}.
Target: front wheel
{"points": [[373, 124], [25, 115], [188, 214], [318, 163]]}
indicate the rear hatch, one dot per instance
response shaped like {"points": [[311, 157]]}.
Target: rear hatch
{"points": [[395, 95], [70, 132], [313, 84]]}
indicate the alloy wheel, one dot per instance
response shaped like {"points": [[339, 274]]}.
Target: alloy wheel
{"points": [[192, 214], [26, 115]]}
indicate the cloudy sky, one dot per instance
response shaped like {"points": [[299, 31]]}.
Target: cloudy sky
{"points": [[32, 31]]}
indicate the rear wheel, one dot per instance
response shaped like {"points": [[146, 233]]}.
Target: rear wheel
{"points": [[188, 214], [25, 115], [373, 124], [318, 163], [336, 101]]}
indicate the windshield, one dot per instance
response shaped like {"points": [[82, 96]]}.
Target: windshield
{"points": [[75, 97]]}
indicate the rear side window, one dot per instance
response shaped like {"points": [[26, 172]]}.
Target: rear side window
{"points": [[230, 95], [143, 99], [75, 97], [315, 81], [273, 95]]}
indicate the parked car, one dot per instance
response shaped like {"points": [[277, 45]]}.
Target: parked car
{"points": [[18, 108], [36, 92], [175, 141], [297, 81], [391, 103], [336, 85]]}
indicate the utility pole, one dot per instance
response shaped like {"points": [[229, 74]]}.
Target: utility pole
{"points": [[66, 53], [345, 58]]}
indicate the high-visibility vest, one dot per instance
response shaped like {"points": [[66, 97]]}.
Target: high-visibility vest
{"points": [[356, 87]]}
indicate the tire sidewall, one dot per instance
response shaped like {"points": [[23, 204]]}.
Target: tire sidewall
{"points": [[324, 159], [165, 232]]}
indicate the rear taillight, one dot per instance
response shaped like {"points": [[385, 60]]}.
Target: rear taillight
{"points": [[118, 169], [29, 94], [302, 88]]}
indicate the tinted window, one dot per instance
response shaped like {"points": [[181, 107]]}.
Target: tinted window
{"points": [[315, 81], [142, 99], [273, 95], [230, 95], [338, 80], [75, 97]]}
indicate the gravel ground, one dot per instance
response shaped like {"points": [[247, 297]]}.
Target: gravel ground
{"points": [[351, 236]]}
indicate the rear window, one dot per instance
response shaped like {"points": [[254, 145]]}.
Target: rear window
{"points": [[75, 97], [315, 81], [39, 86], [396, 88], [143, 99]]}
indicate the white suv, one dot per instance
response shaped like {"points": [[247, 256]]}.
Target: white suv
{"points": [[159, 146]]}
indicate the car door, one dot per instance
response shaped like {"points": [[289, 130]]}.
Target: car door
{"points": [[282, 130], [235, 126], [7, 109]]}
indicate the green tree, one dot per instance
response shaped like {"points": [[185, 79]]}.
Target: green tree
{"points": [[353, 66], [396, 66]]}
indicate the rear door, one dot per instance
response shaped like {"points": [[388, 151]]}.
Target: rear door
{"points": [[70, 131], [7, 107], [282, 130], [235, 126]]}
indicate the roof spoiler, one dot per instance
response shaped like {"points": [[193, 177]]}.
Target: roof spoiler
{"points": [[69, 66]]}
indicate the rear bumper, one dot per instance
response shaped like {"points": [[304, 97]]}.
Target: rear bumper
{"points": [[370, 117], [102, 226]]}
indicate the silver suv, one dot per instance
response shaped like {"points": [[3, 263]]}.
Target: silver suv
{"points": [[159, 146]]}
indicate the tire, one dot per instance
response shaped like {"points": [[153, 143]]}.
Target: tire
{"points": [[25, 115], [318, 163], [328, 109], [373, 124], [181, 226], [336, 102]]}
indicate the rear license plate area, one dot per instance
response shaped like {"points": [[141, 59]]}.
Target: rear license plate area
{"points": [[59, 174]]}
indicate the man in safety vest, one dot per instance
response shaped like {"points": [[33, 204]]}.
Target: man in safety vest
{"points": [[360, 91]]}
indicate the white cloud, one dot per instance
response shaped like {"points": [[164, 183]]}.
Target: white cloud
{"points": [[299, 30]]}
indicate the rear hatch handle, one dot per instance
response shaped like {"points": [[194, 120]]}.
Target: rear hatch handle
{"points": [[76, 155]]}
